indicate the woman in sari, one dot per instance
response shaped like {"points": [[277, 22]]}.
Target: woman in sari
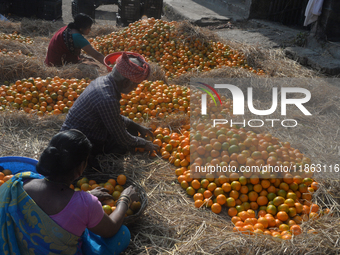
{"points": [[41, 214], [67, 43]]}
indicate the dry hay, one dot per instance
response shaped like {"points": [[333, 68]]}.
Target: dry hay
{"points": [[20, 66], [25, 134], [102, 30], [224, 72], [157, 73], [36, 27], [272, 61], [16, 46], [191, 32], [9, 27]]}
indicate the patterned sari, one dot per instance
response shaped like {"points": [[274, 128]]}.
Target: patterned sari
{"points": [[26, 229]]}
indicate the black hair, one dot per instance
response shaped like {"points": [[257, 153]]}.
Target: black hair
{"points": [[66, 151], [81, 21]]}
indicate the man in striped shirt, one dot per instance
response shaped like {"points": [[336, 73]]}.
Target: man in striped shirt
{"points": [[96, 112]]}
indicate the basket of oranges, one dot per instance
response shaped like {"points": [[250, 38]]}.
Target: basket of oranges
{"points": [[115, 184]]}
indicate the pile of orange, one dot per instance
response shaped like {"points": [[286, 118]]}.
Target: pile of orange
{"points": [[5, 175], [164, 43], [282, 200], [114, 187], [5, 52], [155, 100], [43, 96], [16, 37], [266, 202]]}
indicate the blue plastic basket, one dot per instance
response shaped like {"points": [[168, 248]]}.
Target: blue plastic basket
{"points": [[18, 164]]}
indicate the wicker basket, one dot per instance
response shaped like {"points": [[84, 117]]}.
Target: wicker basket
{"points": [[103, 177]]}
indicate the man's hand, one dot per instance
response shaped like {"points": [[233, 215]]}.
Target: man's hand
{"points": [[101, 193], [143, 130], [151, 147]]}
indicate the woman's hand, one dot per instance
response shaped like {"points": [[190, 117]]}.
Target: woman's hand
{"points": [[132, 192], [101, 193]]}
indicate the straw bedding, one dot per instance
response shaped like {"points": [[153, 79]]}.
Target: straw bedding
{"points": [[171, 224]]}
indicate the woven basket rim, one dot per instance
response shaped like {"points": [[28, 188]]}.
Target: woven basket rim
{"points": [[129, 181]]}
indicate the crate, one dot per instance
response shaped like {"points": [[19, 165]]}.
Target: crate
{"points": [[4, 7], [50, 10], [79, 6], [288, 12], [24, 8], [129, 11], [153, 8]]}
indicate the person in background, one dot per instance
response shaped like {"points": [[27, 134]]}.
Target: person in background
{"points": [[41, 214], [66, 44], [96, 112]]}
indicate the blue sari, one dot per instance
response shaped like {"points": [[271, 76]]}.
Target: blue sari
{"points": [[26, 229]]}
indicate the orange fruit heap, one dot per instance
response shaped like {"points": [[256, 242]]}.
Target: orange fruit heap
{"points": [[16, 37], [283, 199], [114, 187], [155, 100], [5, 175], [43, 96], [167, 44], [5, 52]]}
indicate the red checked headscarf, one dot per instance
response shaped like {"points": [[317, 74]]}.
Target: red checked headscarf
{"points": [[130, 70]]}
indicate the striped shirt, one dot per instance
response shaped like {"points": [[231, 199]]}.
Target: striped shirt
{"points": [[96, 113]]}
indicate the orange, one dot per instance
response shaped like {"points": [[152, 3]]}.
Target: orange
{"points": [[208, 202], [2, 175], [271, 209], [121, 179], [216, 208], [190, 191], [109, 202], [262, 200], [198, 196], [283, 216], [112, 181], [7, 177], [259, 226], [107, 209], [236, 185], [195, 184], [7, 172], [249, 229], [198, 203], [221, 199], [226, 187], [230, 202], [135, 206], [85, 187], [263, 221], [109, 187], [314, 208], [207, 194], [116, 194], [91, 182], [232, 212], [295, 230], [118, 187], [278, 200]]}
